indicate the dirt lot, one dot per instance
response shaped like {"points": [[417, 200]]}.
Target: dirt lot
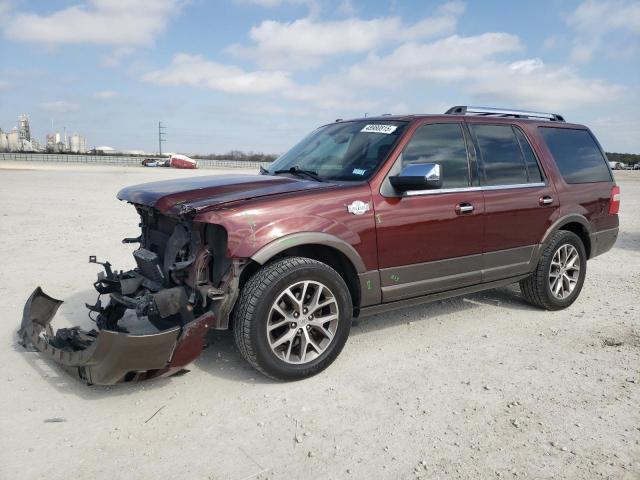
{"points": [[477, 387]]}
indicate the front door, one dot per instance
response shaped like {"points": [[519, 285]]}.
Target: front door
{"points": [[431, 240], [518, 200]]}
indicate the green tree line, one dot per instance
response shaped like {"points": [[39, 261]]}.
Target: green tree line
{"points": [[626, 158]]}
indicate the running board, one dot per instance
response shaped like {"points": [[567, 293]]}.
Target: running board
{"points": [[432, 297]]}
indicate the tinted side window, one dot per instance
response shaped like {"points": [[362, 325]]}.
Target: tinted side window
{"points": [[501, 155], [533, 170], [441, 143], [577, 155]]}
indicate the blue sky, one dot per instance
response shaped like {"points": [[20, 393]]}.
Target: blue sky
{"points": [[259, 74]]}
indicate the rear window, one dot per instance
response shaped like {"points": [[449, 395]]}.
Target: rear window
{"points": [[577, 155], [502, 156]]}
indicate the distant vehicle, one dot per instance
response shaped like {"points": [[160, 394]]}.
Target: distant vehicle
{"points": [[182, 161], [636, 166], [361, 217], [155, 162], [616, 165]]}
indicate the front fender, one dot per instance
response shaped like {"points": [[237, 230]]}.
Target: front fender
{"points": [[305, 218], [308, 238], [250, 237]]}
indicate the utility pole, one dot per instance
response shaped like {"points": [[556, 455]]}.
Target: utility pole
{"points": [[161, 138]]}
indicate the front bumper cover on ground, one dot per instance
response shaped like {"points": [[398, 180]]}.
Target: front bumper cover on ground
{"points": [[106, 357]]}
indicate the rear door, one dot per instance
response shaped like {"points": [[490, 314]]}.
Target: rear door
{"points": [[519, 200], [431, 240]]}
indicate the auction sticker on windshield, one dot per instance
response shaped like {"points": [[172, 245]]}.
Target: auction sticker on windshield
{"points": [[378, 128]]}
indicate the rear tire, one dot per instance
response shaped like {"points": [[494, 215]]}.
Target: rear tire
{"points": [[558, 278], [293, 318]]}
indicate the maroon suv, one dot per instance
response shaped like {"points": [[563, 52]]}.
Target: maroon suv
{"points": [[361, 217]]}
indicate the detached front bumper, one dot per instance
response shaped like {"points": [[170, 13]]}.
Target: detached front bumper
{"points": [[105, 357]]}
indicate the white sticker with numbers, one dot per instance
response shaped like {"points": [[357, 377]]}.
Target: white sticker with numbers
{"points": [[379, 128]]}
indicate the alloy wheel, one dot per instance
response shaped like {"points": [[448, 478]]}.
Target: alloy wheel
{"points": [[302, 322], [564, 271]]}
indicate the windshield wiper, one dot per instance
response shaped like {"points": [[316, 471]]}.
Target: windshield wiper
{"points": [[296, 170]]}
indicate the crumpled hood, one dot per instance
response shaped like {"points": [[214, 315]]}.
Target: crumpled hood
{"points": [[198, 193]]}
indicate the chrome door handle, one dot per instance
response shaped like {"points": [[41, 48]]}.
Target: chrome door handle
{"points": [[463, 208], [546, 200]]}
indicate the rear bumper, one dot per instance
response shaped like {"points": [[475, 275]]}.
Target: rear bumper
{"points": [[106, 357], [603, 241]]}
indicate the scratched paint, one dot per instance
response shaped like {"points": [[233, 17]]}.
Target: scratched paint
{"points": [[252, 225]]}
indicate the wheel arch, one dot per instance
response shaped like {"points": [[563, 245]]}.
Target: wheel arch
{"points": [[575, 223], [331, 250]]}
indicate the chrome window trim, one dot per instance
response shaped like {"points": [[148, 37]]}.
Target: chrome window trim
{"points": [[415, 193], [515, 185]]}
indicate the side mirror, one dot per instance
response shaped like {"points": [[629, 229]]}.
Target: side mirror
{"points": [[418, 176]]}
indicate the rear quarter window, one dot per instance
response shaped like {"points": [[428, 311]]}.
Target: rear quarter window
{"points": [[577, 155]]}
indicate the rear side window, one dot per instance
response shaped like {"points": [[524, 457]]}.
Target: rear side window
{"points": [[441, 143], [502, 157], [577, 155]]}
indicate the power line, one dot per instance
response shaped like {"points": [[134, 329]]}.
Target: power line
{"points": [[161, 138]]}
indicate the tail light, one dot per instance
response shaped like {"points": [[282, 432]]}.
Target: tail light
{"points": [[614, 202]]}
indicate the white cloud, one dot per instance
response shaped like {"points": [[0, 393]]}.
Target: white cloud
{"points": [[346, 8], [306, 42], [471, 64], [4, 85], [194, 70], [116, 56], [452, 58], [331, 93], [601, 16], [594, 20], [102, 22], [618, 133], [5, 8], [60, 106], [532, 84], [313, 5], [105, 95]]}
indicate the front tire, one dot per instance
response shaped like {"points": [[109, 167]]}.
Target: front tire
{"points": [[293, 318], [559, 276]]}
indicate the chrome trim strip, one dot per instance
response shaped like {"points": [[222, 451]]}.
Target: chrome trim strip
{"points": [[414, 193], [517, 185]]}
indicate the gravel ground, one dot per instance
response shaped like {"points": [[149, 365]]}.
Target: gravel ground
{"points": [[481, 386]]}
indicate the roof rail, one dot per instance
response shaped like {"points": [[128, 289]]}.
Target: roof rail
{"points": [[503, 112]]}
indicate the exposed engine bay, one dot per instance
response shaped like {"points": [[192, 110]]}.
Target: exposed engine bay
{"points": [[182, 285]]}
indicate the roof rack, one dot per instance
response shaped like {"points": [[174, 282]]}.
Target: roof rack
{"points": [[503, 112]]}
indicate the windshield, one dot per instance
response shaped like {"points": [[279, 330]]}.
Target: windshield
{"points": [[343, 150]]}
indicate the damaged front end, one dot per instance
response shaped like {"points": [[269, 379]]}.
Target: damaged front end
{"points": [[182, 285]]}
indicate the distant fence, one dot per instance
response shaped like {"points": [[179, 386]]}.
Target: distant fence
{"points": [[115, 160]]}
